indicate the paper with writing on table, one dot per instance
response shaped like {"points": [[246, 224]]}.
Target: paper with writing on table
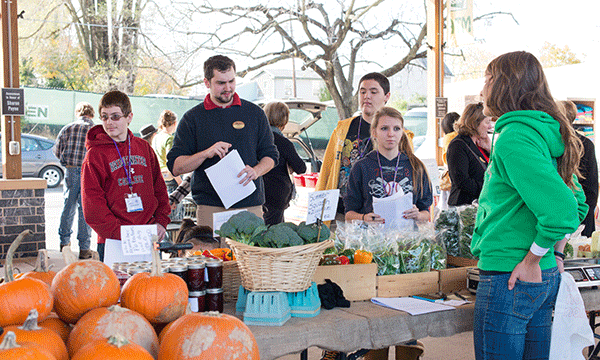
{"points": [[137, 239], [411, 305], [315, 205], [391, 208], [223, 177], [113, 252], [221, 217]]}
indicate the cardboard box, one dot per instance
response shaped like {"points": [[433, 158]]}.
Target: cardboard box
{"points": [[407, 284], [356, 280], [452, 280]]}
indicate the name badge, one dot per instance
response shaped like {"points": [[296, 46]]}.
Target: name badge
{"points": [[134, 203]]}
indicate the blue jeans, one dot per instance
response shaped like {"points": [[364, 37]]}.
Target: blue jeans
{"points": [[72, 196], [514, 324]]}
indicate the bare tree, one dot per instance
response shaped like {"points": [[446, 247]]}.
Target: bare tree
{"points": [[108, 33], [330, 41]]}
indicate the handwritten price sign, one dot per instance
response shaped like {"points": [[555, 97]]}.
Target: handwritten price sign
{"points": [[322, 202]]}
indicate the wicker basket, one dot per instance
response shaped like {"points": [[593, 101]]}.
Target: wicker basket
{"points": [[287, 269], [231, 281]]}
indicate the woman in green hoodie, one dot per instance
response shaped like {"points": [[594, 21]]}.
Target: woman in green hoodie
{"points": [[529, 201]]}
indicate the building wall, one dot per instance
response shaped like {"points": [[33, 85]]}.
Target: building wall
{"points": [[22, 209]]}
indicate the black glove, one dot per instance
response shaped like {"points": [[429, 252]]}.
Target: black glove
{"points": [[332, 295]]}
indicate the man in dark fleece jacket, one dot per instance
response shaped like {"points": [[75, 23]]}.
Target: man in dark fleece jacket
{"points": [[208, 131]]}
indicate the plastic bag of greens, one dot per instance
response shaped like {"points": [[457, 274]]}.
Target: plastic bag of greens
{"points": [[414, 252], [438, 248], [467, 215], [383, 247], [447, 230]]}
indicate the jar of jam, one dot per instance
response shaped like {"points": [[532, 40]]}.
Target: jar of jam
{"points": [[179, 270], [195, 275], [197, 301], [214, 270], [214, 300]]}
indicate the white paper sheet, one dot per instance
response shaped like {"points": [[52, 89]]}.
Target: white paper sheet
{"points": [[113, 253], [137, 239], [315, 205], [223, 177], [411, 305], [219, 218], [391, 208]]}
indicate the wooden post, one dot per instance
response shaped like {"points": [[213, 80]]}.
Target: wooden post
{"points": [[11, 125], [435, 69]]}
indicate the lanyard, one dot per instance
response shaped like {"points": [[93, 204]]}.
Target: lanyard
{"points": [[385, 183], [483, 153], [364, 149], [128, 173]]}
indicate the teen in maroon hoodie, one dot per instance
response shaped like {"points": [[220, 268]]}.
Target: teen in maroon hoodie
{"points": [[121, 179]]}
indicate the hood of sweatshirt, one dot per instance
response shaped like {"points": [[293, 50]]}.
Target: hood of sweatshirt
{"points": [[545, 125], [98, 137]]}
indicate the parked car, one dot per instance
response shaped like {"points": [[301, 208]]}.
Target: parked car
{"points": [[38, 160]]}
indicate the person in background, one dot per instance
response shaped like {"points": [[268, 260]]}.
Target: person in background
{"points": [[588, 167], [278, 184], [530, 200], [147, 132], [162, 143], [448, 130], [121, 180], [449, 134], [70, 150], [468, 155], [207, 132]]}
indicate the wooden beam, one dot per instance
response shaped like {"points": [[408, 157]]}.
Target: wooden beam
{"points": [[435, 69], [11, 125]]}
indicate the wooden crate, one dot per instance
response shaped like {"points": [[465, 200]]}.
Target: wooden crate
{"points": [[407, 284], [461, 261], [452, 280], [356, 280]]}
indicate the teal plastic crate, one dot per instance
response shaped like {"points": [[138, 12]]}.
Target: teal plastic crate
{"points": [[240, 304], [305, 303], [267, 308]]}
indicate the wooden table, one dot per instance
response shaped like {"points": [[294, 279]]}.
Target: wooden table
{"points": [[362, 326]]}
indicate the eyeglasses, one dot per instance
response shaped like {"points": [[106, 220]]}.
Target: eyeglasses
{"points": [[113, 117]]}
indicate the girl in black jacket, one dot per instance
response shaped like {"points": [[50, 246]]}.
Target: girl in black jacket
{"points": [[468, 155]]}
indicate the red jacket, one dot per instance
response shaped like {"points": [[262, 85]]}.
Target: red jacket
{"points": [[104, 185]]}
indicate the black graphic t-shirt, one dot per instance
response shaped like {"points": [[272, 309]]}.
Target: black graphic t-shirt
{"points": [[356, 146]]}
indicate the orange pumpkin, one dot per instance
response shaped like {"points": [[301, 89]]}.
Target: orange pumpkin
{"points": [[30, 332], [115, 347], [10, 350], [161, 298], [18, 297], [82, 286], [53, 322], [41, 270], [99, 323], [209, 335]]}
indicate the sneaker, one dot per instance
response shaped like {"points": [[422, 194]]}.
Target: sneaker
{"points": [[86, 254], [64, 246], [331, 355]]}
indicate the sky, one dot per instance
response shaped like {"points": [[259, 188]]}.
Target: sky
{"points": [[575, 23]]}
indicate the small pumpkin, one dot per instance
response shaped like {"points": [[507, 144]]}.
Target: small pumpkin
{"points": [[53, 322], [82, 286], [210, 335], [42, 270], [161, 298], [115, 347], [18, 297], [11, 350], [30, 332], [100, 323]]}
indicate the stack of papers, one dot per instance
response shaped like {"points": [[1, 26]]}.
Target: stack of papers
{"points": [[411, 305]]}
